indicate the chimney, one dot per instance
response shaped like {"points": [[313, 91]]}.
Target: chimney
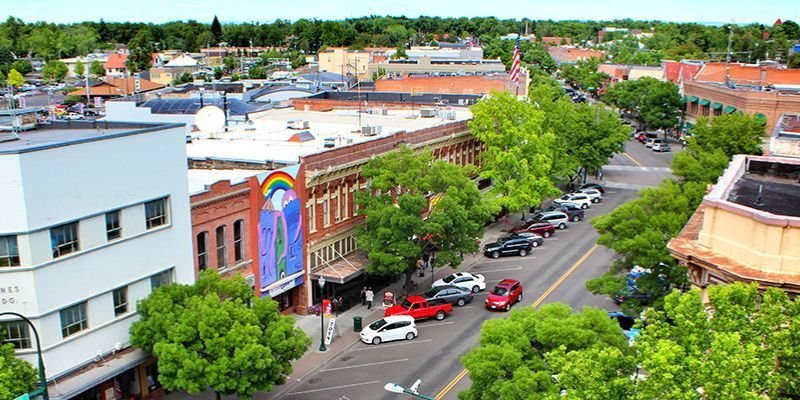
{"points": [[763, 74]]}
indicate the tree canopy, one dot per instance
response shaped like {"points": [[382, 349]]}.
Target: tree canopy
{"points": [[55, 70], [17, 376], [414, 204], [217, 335], [141, 51], [654, 102], [15, 79]]}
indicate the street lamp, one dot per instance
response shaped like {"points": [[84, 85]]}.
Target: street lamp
{"points": [[395, 388], [322, 314], [42, 390]]}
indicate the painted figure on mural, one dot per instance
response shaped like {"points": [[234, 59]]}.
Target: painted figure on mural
{"points": [[280, 229]]}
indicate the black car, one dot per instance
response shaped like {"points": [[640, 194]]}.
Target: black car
{"points": [[536, 239], [450, 293], [573, 211], [503, 247], [597, 186]]}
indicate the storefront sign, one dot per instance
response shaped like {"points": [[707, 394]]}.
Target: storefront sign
{"points": [[329, 332], [9, 295], [284, 285]]}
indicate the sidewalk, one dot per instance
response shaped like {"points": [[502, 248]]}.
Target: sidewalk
{"points": [[346, 337]]}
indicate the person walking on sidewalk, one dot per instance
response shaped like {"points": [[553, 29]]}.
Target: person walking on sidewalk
{"points": [[364, 296], [369, 296], [420, 267]]}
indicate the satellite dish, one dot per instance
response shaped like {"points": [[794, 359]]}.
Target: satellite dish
{"points": [[209, 119]]}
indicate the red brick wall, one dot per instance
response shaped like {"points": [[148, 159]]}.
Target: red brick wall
{"points": [[444, 84], [222, 205], [327, 105]]}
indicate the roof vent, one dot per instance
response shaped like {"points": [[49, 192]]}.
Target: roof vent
{"points": [[427, 112], [379, 111], [371, 130], [297, 124]]}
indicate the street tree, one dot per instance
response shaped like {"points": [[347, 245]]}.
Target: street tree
{"points": [[17, 376], [657, 104], [22, 66], [15, 79], [55, 70], [141, 50], [534, 353], [732, 133], [216, 30], [79, 68], [416, 204], [742, 344], [520, 153], [217, 335], [96, 68]]}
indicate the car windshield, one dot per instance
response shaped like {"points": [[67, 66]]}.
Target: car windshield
{"points": [[377, 324], [406, 304], [537, 217], [500, 291], [449, 278], [565, 197], [431, 292]]}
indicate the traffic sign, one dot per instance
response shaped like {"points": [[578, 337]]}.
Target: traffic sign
{"points": [[25, 396]]}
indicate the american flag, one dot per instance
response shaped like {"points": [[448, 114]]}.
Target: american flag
{"points": [[515, 62]]}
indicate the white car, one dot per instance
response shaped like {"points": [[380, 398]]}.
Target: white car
{"points": [[474, 282], [396, 327], [593, 194], [580, 199]]}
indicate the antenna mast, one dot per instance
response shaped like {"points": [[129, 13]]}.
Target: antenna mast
{"points": [[728, 57]]}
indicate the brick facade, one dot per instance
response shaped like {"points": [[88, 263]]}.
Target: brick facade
{"points": [[477, 84]]}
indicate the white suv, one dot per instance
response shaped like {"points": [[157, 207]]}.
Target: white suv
{"points": [[557, 218], [580, 199], [593, 194]]}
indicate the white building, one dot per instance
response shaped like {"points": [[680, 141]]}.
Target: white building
{"points": [[93, 219]]}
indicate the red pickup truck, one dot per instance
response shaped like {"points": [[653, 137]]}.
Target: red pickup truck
{"points": [[419, 308]]}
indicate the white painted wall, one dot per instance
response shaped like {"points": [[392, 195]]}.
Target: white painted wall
{"points": [[126, 111]]}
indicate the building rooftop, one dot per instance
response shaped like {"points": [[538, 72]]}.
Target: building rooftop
{"points": [[748, 74], [201, 179], [57, 134], [269, 140], [769, 185]]}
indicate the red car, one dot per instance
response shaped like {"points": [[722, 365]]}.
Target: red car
{"points": [[506, 292], [545, 229]]}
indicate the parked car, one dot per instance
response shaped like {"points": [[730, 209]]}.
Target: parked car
{"points": [[535, 239], [626, 323], [72, 116], [474, 282], [89, 112], [507, 292], [652, 142], [594, 186], [420, 308], [647, 135], [661, 147], [386, 329], [543, 228], [450, 293], [557, 218], [578, 198], [573, 211], [594, 195], [508, 246]]}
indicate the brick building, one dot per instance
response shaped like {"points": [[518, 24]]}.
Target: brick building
{"points": [[470, 84]]}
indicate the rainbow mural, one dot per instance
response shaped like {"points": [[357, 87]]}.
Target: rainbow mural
{"points": [[280, 233]]}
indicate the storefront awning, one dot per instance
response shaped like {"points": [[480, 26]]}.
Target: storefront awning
{"points": [[693, 99], [95, 374], [762, 118], [705, 102], [344, 269], [716, 105], [729, 109], [684, 99]]}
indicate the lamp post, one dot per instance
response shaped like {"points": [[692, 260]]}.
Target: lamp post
{"points": [[42, 390], [322, 314], [395, 388]]}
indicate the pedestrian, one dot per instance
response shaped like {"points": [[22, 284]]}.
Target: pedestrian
{"points": [[369, 296], [420, 267], [364, 296]]}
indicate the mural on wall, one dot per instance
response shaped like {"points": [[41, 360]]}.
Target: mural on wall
{"points": [[280, 233]]}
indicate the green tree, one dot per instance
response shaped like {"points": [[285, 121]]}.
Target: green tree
{"points": [[217, 73], [400, 223], [229, 63], [141, 50], [17, 376], [96, 68], [655, 103], [400, 54], [24, 67], [216, 335], [732, 133], [55, 70], [519, 154], [185, 77], [537, 353], [15, 79], [794, 61], [79, 68], [742, 345], [257, 73], [216, 30]]}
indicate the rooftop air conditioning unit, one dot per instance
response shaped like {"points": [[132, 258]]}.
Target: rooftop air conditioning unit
{"points": [[427, 112], [447, 114], [371, 130], [380, 111], [330, 142], [297, 124]]}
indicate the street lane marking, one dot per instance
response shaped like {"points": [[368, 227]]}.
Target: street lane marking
{"points": [[538, 301], [625, 153], [383, 346], [332, 388], [499, 270], [363, 365], [435, 324]]}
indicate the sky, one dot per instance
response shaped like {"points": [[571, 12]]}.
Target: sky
{"points": [[158, 11]]}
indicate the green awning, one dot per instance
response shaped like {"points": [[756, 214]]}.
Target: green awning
{"points": [[761, 117], [693, 99], [705, 102], [684, 99], [729, 109], [591, 88], [716, 105]]}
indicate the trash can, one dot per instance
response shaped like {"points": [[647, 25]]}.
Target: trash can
{"points": [[357, 324]]}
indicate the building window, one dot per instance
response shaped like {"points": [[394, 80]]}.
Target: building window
{"points": [[155, 213], [221, 259], [9, 252], [120, 301], [64, 239], [202, 250], [345, 201], [113, 228], [73, 319], [337, 211], [161, 279], [326, 213], [17, 333], [238, 240]]}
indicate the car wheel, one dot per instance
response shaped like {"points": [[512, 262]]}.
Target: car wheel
{"points": [[376, 340], [508, 305], [523, 252], [461, 302], [576, 218], [596, 200], [410, 336], [562, 226], [535, 244], [495, 254], [476, 289], [584, 206], [519, 298], [440, 315], [546, 234]]}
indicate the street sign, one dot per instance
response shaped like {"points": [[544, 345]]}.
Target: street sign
{"points": [[137, 84], [329, 332], [25, 396]]}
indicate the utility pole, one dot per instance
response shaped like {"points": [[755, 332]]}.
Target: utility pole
{"points": [[728, 57]]}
